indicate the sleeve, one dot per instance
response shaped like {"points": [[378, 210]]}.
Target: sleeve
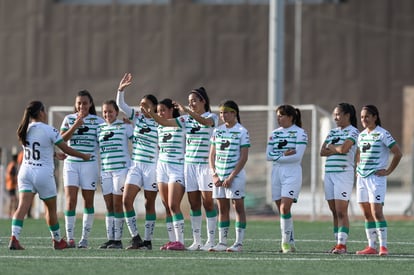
{"points": [[271, 155], [55, 136], [129, 131], [388, 140], [120, 101], [65, 124], [301, 142], [245, 139]]}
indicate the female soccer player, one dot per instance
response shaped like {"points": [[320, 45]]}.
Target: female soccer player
{"points": [[229, 151], [170, 173], [36, 174], [198, 124], [339, 149], [142, 173], [374, 145], [285, 148], [113, 136], [79, 130]]}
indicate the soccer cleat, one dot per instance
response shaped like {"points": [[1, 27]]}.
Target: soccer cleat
{"points": [[176, 246], [14, 244], [339, 249], [136, 242], [218, 248], [367, 251], [330, 251], [146, 245], [115, 245], [106, 244], [287, 248], [207, 246], [237, 247], [83, 243], [383, 251], [71, 243], [59, 245], [194, 247], [164, 247]]}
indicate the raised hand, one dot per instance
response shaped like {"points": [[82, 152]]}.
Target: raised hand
{"points": [[125, 81]]}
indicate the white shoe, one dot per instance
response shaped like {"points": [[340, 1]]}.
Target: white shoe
{"points": [[194, 247], [237, 247], [219, 247], [207, 246]]}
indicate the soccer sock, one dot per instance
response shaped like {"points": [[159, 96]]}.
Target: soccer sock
{"points": [[87, 222], [119, 226], [223, 228], [211, 223], [149, 226], [170, 229], [109, 223], [55, 232], [343, 235], [240, 229], [196, 220], [371, 232], [382, 232], [16, 228], [178, 223], [335, 231], [70, 219], [286, 227], [131, 222]]}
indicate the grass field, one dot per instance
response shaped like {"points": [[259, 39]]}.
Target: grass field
{"points": [[260, 255]]}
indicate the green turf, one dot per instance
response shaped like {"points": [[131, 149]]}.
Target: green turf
{"points": [[260, 255]]}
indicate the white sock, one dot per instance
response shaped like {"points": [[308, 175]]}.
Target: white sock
{"points": [[286, 227], [131, 223], [149, 230], [170, 231], [179, 230], [87, 223], [119, 228], [110, 227], [70, 227], [211, 229], [196, 227]]}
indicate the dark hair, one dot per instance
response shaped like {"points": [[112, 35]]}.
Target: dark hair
{"points": [[373, 111], [233, 105], [169, 104], [347, 108], [113, 103], [151, 98], [291, 111], [32, 111], [202, 95], [92, 109]]}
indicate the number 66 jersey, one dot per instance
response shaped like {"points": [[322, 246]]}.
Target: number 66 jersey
{"points": [[39, 148]]}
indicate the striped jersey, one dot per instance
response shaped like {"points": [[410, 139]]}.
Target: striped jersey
{"points": [[283, 139], [342, 162], [197, 138], [145, 140], [40, 146], [113, 145], [228, 142], [171, 141], [374, 150], [84, 139]]}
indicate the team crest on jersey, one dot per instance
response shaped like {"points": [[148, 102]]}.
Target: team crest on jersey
{"points": [[93, 121], [376, 136]]}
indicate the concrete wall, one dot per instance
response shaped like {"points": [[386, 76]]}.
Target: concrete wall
{"points": [[360, 52]]}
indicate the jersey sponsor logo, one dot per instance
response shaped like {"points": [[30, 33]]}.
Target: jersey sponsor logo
{"points": [[144, 129], [366, 147], [282, 143], [83, 130], [224, 144], [335, 140], [195, 129], [166, 137], [108, 135]]}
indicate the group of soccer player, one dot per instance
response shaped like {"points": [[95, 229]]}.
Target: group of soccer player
{"points": [[178, 149]]}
